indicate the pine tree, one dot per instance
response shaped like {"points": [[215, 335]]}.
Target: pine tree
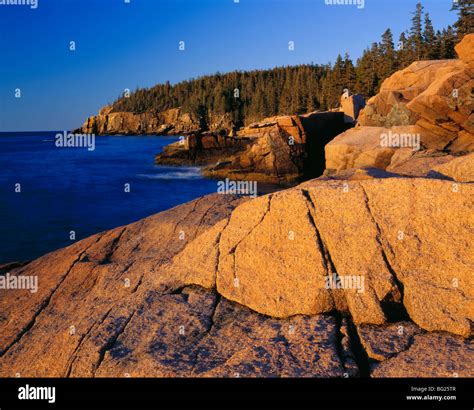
{"points": [[465, 23], [285, 98], [416, 36], [367, 81], [349, 74], [449, 43], [437, 45], [404, 52], [336, 83], [429, 39], [387, 49]]}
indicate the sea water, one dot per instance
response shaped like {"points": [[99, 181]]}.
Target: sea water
{"points": [[47, 192]]}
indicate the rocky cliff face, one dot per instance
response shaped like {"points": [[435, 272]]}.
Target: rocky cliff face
{"points": [[170, 122], [276, 149], [422, 117]]}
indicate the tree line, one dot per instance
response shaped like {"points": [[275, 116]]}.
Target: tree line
{"points": [[252, 95]]}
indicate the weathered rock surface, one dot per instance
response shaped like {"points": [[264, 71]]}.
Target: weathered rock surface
{"points": [[386, 341], [351, 105], [459, 169], [365, 147], [125, 302], [170, 122], [400, 93], [402, 349], [198, 334], [430, 102], [407, 162], [277, 149], [465, 50], [281, 149], [93, 285], [423, 358]]}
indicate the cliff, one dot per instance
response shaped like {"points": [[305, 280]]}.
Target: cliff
{"points": [[170, 122], [277, 149], [422, 118]]}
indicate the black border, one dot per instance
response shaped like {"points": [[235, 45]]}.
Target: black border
{"points": [[139, 393]]}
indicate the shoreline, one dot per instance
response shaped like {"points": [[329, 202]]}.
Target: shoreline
{"points": [[363, 270]]}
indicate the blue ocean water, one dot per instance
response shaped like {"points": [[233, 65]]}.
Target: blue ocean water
{"points": [[65, 189]]}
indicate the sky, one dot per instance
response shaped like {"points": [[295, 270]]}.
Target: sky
{"points": [[120, 45]]}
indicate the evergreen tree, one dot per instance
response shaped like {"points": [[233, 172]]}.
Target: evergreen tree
{"points": [[449, 43], [367, 79], [387, 49], [437, 45], [429, 40], [416, 33], [404, 52], [465, 23], [349, 74]]}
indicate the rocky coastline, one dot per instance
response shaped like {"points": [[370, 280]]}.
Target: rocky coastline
{"points": [[363, 270]]}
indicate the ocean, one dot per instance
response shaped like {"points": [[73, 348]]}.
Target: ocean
{"points": [[46, 192]]}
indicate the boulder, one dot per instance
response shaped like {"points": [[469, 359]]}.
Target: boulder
{"points": [[465, 50], [429, 102], [386, 341], [351, 105], [423, 358], [389, 107], [435, 95], [370, 147], [447, 102], [459, 169], [269, 158]]}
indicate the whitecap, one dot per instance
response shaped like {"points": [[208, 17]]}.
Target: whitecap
{"points": [[178, 173]]}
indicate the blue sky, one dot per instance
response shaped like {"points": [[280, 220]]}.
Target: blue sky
{"points": [[120, 45]]}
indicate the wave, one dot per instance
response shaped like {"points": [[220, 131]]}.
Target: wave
{"points": [[182, 173]]}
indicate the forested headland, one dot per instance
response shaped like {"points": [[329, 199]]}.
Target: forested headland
{"points": [[252, 95]]}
